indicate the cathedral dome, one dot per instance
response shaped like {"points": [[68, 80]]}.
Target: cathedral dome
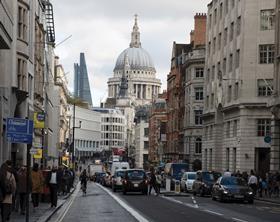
{"points": [[138, 58]]}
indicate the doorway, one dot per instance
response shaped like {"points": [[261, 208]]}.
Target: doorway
{"points": [[262, 161]]}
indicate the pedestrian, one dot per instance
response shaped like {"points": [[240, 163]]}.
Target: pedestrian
{"points": [[253, 182], [84, 178], [153, 183], [53, 182], [227, 173], [8, 188], [22, 188], [37, 185], [159, 181]]}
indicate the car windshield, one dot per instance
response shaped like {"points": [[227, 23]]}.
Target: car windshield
{"points": [[120, 173], [233, 181], [208, 176], [191, 176], [135, 174]]}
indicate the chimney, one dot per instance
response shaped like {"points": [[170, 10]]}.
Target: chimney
{"points": [[199, 36]]}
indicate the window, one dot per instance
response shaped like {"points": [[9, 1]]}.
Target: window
{"points": [[22, 23], [236, 91], [208, 75], [226, 6], [229, 93], [209, 48], [231, 34], [263, 127], [146, 132], [30, 84], [214, 45], [211, 132], [212, 100], [224, 66], [230, 62], [215, 16], [197, 117], [237, 58], [207, 101], [227, 158], [146, 145], [267, 19], [213, 73], [228, 129], [198, 93], [219, 41], [198, 145], [234, 131], [199, 72], [210, 20], [266, 54], [225, 36], [234, 159], [221, 10], [22, 74], [265, 87], [238, 25]]}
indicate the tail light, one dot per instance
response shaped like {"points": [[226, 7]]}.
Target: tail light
{"points": [[125, 181], [146, 181]]}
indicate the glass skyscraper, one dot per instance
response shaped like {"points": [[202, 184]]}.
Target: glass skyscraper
{"points": [[81, 83]]}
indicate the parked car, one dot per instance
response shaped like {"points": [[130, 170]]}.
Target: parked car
{"points": [[187, 181], [232, 188], [203, 183], [117, 180], [98, 177], [135, 180]]}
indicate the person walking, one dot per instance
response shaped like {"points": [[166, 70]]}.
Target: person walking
{"points": [[53, 182], [158, 180], [153, 183], [253, 182], [84, 178], [22, 188], [37, 184], [8, 188]]}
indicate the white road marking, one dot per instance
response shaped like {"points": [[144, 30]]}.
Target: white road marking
{"points": [[213, 212], [133, 212], [74, 195], [180, 202], [239, 220]]}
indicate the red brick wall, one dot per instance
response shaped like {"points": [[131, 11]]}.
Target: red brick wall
{"points": [[199, 29]]}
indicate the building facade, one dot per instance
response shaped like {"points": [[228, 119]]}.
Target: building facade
{"points": [[142, 137], [157, 130], [193, 64], [87, 132], [113, 128], [81, 81], [238, 83], [275, 143]]}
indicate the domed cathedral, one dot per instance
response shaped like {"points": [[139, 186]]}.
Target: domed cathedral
{"points": [[134, 74]]}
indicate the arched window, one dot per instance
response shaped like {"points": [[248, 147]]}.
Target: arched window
{"points": [[198, 145]]}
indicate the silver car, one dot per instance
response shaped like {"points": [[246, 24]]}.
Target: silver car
{"points": [[187, 181]]}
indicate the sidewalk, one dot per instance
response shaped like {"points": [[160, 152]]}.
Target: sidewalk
{"points": [[44, 211]]}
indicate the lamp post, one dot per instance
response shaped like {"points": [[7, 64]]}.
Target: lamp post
{"points": [[73, 139]]}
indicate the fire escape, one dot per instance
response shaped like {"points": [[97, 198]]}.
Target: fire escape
{"points": [[49, 21]]}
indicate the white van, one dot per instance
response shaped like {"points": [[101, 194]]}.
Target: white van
{"points": [[119, 166]]}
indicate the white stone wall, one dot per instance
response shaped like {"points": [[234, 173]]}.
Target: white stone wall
{"points": [[139, 143], [234, 92]]}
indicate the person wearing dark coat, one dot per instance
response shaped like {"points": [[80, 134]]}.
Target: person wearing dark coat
{"points": [[153, 183], [53, 180]]}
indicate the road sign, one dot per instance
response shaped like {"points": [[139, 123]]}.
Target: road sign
{"points": [[19, 130], [267, 139]]}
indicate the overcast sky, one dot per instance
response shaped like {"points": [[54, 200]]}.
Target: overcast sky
{"points": [[101, 29]]}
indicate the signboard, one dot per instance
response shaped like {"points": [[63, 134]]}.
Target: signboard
{"points": [[19, 130], [38, 154], [267, 139], [39, 120], [33, 151]]}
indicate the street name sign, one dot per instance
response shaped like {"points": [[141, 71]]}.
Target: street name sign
{"points": [[19, 130]]}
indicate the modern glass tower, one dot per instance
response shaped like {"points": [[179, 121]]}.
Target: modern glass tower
{"points": [[81, 83]]}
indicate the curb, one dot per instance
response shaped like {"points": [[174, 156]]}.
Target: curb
{"points": [[175, 195]]}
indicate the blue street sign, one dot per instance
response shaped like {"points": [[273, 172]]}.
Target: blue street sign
{"points": [[267, 139], [19, 130]]}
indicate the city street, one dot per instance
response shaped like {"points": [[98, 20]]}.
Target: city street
{"points": [[101, 204]]}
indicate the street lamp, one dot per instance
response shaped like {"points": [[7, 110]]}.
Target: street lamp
{"points": [[73, 140]]}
